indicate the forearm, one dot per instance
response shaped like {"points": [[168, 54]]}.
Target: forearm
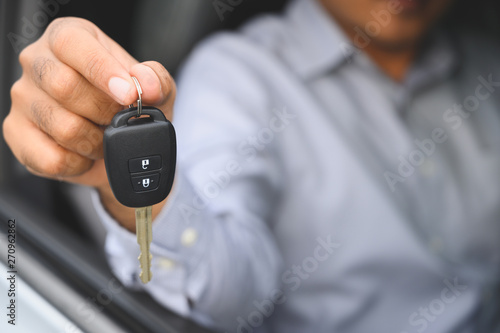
{"points": [[227, 248]]}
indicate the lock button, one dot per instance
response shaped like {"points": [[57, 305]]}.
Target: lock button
{"points": [[142, 164], [146, 183]]}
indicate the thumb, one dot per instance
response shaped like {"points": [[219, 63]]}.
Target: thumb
{"points": [[158, 87]]}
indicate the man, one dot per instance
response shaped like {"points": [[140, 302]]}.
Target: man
{"points": [[337, 172]]}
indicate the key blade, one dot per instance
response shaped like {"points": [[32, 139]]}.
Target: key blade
{"points": [[145, 275], [144, 220]]}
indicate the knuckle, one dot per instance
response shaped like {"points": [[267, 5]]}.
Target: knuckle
{"points": [[95, 66], [27, 160], [64, 83], [94, 139], [69, 130], [61, 37], [105, 110], [7, 126], [86, 148], [88, 142], [26, 56], [54, 166], [42, 115], [41, 66], [64, 22], [59, 42], [57, 25], [16, 91], [60, 30]]}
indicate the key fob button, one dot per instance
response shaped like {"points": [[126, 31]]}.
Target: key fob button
{"points": [[149, 163], [146, 183]]}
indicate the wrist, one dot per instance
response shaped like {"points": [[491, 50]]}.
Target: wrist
{"points": [[124, 215]]}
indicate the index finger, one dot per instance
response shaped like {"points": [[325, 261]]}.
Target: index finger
{"points": [[79, 48]]}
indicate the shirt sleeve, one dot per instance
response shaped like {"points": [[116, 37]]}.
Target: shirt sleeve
{"points": [[213, 249]]}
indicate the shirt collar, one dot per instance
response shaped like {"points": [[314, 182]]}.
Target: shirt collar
{"points": [[317, 39], [438, 59], [319, 45]]}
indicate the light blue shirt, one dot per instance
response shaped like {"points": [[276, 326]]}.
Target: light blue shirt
{"points": [[315, 194]]}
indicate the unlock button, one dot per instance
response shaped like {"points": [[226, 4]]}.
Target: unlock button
{"points": [[142, 164], [146, 183]]}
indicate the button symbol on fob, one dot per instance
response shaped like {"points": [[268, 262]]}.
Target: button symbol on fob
{"points": [[146, 183], [145, 163]]}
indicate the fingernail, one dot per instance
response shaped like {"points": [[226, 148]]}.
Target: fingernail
{"points": [[119, 88]]}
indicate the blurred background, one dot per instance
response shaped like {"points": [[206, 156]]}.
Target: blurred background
{"points": [[161, 30], [51, 226]]}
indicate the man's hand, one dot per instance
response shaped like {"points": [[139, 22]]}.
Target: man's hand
{"points": [[75, 78]]}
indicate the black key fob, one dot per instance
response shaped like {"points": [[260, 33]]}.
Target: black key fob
{"points": [[140, 156]]}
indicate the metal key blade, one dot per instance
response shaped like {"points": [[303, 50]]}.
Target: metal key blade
{"points": [[143, 221]]}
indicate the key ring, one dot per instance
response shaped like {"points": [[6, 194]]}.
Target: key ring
{"points": [[139, 101]]}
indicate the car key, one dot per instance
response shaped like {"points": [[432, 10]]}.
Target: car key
{"points": [[140, 156], [143, 222]]}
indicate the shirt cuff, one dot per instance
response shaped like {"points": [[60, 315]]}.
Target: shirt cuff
{"points": [[177, 247]]}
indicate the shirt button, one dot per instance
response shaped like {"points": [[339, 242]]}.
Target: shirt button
{"points": [[436, 244], [165, 263], [189, 237]]}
